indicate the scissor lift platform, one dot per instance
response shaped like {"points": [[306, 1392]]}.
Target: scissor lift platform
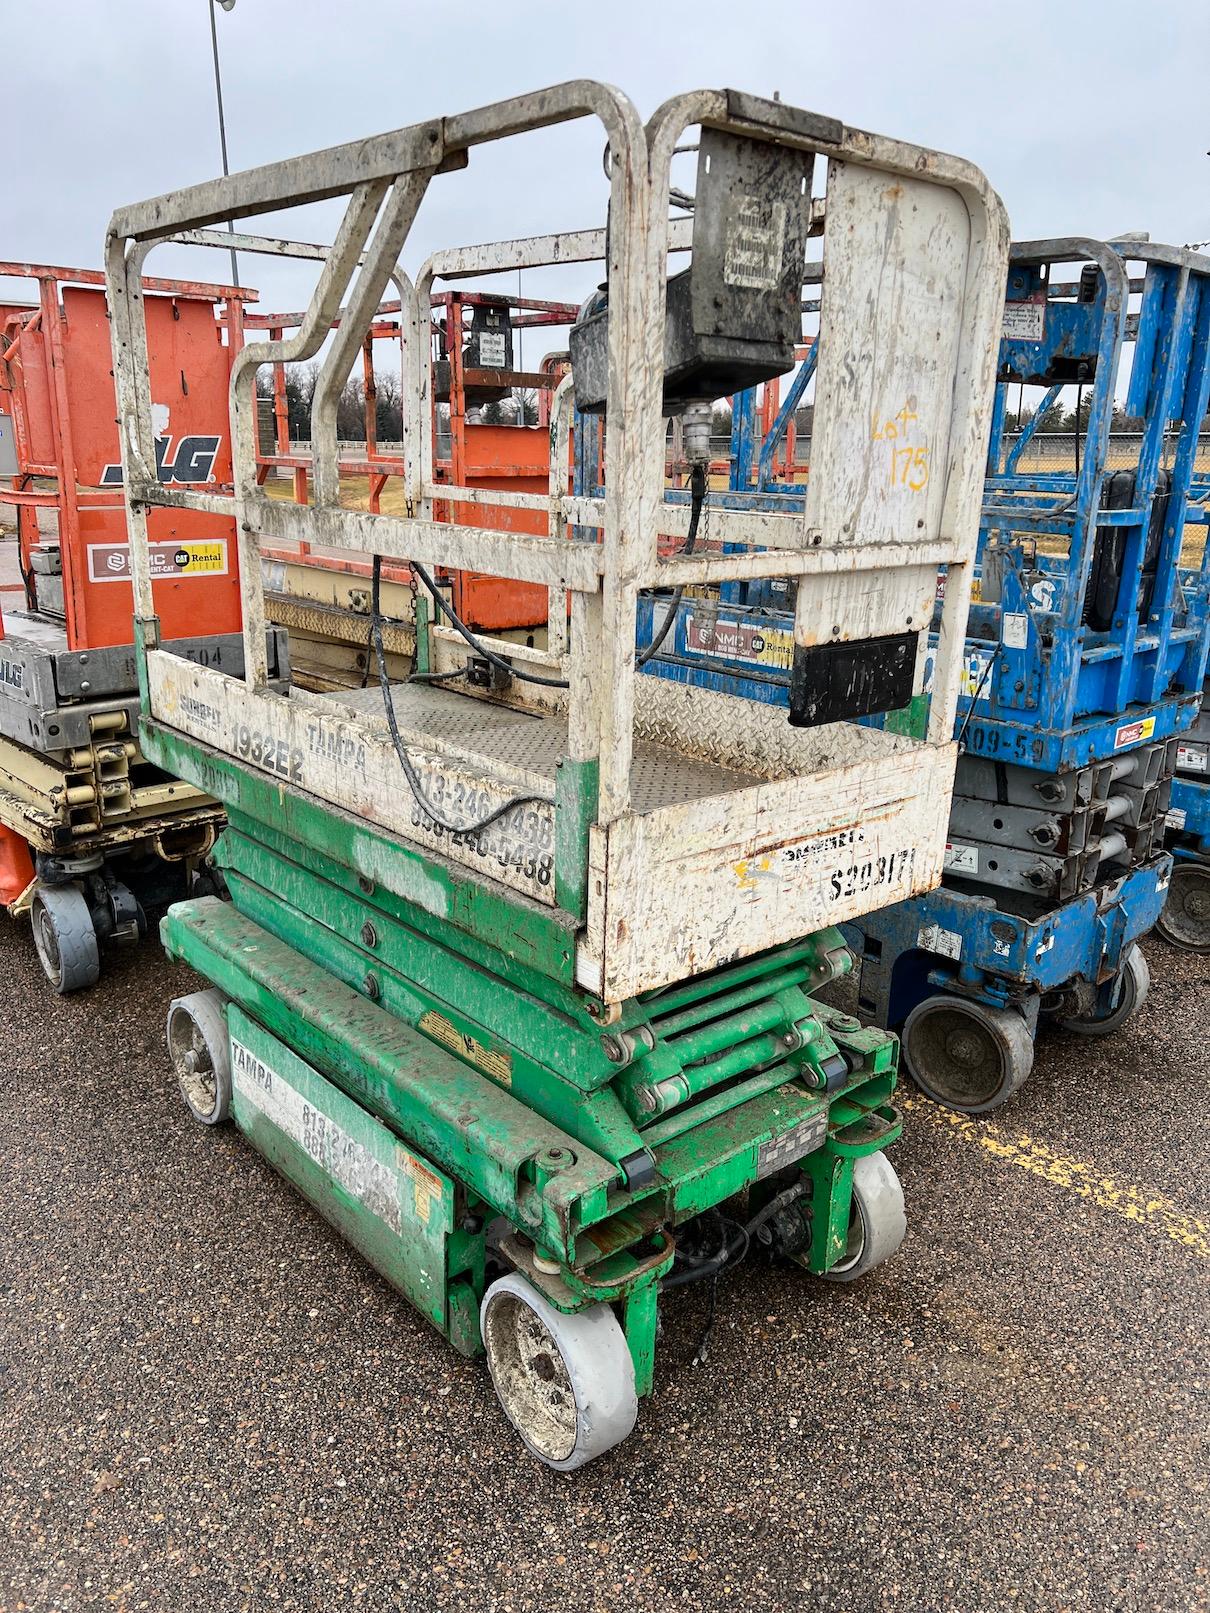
{"points": [[611, 898], [92, 833]]}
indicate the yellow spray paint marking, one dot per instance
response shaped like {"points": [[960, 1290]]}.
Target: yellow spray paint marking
{"points": [[1146, 1208]]}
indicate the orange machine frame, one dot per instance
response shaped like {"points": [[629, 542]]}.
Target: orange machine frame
{"points": [[513, 458], [56, 384]]}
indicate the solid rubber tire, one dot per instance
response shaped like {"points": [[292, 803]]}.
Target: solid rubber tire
{"points": [[595, 1358], [1136, 982], [878, 1221], [69, 955], [1005, 1033]]}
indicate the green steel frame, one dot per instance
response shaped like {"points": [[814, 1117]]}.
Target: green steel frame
{"points": [[477, 1077]]}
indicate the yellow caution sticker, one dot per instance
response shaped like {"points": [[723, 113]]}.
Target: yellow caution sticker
{"points": [[427, 1187], [498, 1065]]}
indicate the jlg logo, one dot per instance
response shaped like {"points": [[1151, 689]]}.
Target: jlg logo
{"points": [[193, 461]]}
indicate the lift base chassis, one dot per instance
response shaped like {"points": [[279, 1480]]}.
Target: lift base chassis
{"points": [[966, 943], [432, 1107]]}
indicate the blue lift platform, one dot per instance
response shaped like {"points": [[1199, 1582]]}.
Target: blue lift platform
{"points": [[1087, 656]]}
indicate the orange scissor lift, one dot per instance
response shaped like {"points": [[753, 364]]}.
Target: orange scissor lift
{"points": [[324, 598], [90, 833]]}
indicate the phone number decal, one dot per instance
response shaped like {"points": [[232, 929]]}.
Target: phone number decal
{"points": [[522, 839]]}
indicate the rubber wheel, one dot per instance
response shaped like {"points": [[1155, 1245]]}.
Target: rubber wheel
{"points": [[566, 1383], [1135, 978], [196, 1031], [877, 1222], [1185, 919], [64, 937], [965, 1055]]}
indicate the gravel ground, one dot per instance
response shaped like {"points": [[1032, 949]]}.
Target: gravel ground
{"points": [[209, 1402]]}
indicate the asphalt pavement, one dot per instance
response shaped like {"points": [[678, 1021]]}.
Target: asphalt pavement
{"points": [[208, 1401]]}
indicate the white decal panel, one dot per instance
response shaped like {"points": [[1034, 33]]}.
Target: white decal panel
{"points": [[375, 1182], [962, 859], [755, 245], [702, 883], [351, 764], [1024, 321], [932, 938], [492, 350], [1014, 630]]}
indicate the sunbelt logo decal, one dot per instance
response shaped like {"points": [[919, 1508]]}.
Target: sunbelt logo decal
{"points": [[191, 463]]}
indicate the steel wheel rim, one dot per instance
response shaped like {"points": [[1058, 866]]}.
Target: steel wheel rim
{"points": [[855, 1242], [531, 1377], [964, 1061], [1186, 916], [193, 1063], [1124, 1003], [47, 940]]}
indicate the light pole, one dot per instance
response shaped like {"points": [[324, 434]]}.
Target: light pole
{"points": [[227, 5]]}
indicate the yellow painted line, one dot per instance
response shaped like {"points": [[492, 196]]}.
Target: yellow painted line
{"points": [[1138, 1204]]}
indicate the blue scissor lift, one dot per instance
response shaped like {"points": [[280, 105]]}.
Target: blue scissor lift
{"points": [[1185, 921], [1086, 658]]}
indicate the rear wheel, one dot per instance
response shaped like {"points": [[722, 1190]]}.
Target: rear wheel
{"points": [[877, 1222], [566, 1382], [197, 1044], [1134, 981], [965, 1055], [65, 939], [1185, 920]]}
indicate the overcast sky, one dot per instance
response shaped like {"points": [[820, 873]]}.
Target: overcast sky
{"points": [[1089, 116]]}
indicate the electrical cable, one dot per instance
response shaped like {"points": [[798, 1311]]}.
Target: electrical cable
{"points": [[405, 761], [733, 1249], [697, 498], [970, 710], [480, 648]]}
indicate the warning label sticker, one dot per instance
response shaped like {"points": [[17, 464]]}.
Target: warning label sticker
{"points": [[932, 938], [755, 245], [1192, 758], [1014, 631], [778, 1152], [498, 1065], [962, 859], [1025, 321], [492, 349], [110, 562], [974, 677]]}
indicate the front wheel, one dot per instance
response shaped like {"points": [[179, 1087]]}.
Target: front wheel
{"points": [[965, 1055], [566, 1382], [65, 938], [1185, 919], [196, 1032], [877, 1222], [1134, 981]]}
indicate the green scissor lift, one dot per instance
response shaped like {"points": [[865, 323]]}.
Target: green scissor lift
{"points": [[518, 979]]}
